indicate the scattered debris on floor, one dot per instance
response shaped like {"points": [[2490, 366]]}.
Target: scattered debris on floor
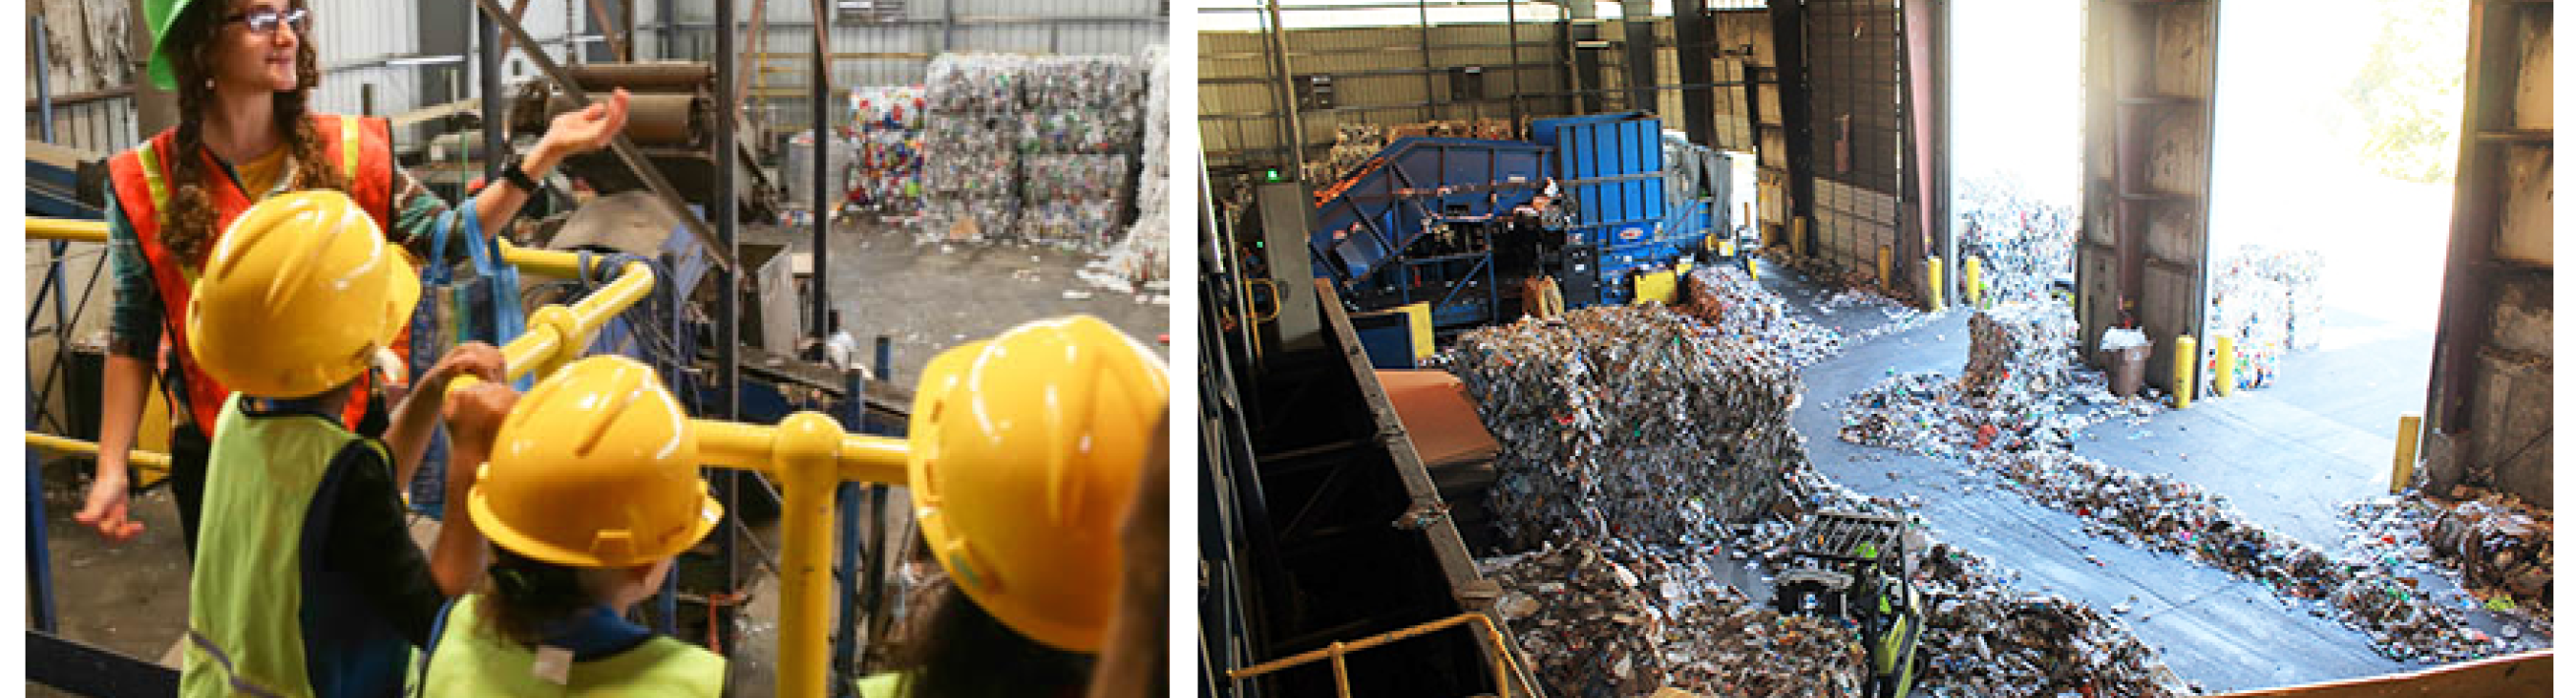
{"points": [[1646, 455], [1620, 619]]}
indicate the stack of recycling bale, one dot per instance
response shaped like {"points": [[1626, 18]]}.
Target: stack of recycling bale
{"points": [[970, 146], [1138, 261], [2268, 300], [888, 166], [1078, 139]]}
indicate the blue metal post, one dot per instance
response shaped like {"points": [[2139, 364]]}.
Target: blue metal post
{"points": [[40, 570], [845, 644], [44, 80], [885, 358]]}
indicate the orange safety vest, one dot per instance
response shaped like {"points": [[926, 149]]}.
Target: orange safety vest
{"points": [[364, 149]]}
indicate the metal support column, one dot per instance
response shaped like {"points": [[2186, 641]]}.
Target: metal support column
{"points": [[487, 49], [40, 570], [1637, 41], [1292, 131], [54, 284], [44, 78], [728, 286], [1695, 56], [822, 103]]}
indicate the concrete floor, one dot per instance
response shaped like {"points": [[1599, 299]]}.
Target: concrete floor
{"points": [[132, 599], [2286, 455], [929, 297]]}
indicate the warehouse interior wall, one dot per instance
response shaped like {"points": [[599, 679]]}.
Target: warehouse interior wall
{"points": [[2488, 412], [1515, 61]]}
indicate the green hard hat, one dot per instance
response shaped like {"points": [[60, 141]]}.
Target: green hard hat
{"points": [[160, 14]]}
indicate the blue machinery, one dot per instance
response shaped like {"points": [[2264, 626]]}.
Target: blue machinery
{"points": [[1426, 219]]}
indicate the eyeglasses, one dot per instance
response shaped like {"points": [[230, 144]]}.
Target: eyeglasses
{"points": [[265, 20]]}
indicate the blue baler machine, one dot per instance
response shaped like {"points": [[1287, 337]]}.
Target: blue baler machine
{"points": [[1429, 219]]}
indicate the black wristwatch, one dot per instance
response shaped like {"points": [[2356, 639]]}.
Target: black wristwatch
{"points": [[511, 172]]}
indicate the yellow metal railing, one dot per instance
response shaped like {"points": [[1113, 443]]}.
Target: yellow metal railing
{"points": [[64, 229], [1505, 666], [56, 444], [808, 453]]}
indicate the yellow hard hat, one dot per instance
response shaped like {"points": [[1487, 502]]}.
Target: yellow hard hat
{"points": [[1026, 450], [298, 295], [595, 467]]}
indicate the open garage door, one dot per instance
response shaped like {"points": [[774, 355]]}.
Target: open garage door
{"points": [[2150, 73]]}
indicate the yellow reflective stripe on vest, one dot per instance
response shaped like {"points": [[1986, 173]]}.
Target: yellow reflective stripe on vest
{"points": [[349, 146], [150, 157]]}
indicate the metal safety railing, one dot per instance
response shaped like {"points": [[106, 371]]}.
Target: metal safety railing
{"points": [[808, 453], [1505, 665]]}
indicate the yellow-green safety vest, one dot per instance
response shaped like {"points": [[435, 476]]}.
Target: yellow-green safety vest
{"points": [[471, 659], [245, 591]]}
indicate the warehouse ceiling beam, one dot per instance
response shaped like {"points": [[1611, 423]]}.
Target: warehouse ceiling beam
{"points": [[621, 145]]}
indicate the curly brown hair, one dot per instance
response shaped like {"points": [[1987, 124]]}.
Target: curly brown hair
{"points": [[188, 218]]}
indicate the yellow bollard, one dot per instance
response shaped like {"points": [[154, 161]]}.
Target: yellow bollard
{"points": [[2186, 355], [2403, 470], [1932, 274], [1975, 274], [1798, 238], [2222, 372]]}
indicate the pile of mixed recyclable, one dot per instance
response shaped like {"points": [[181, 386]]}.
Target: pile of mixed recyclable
{"points": [[1617, 618], [970, 147], [1983, 638], [1140, 261], [2268, 300], [2367, 592], [1898, 317], [1035, 149], [2021, 389], [1628, 421], [1741, 310], [2497, 548], [1078, 146], [1354, 144], [2023, 242], [886, 173], [1611, 619]]}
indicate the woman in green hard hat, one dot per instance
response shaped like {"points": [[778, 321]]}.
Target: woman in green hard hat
{"points": [[244, 71]]}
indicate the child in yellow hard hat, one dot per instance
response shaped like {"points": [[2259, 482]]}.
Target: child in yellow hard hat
{"points": [[307, 582], [592, 491], [1032, 509]]}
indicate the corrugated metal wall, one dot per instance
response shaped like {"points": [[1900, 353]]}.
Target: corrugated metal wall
{"points": [[1857, 151], [898, 50], [1383, 75]]}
